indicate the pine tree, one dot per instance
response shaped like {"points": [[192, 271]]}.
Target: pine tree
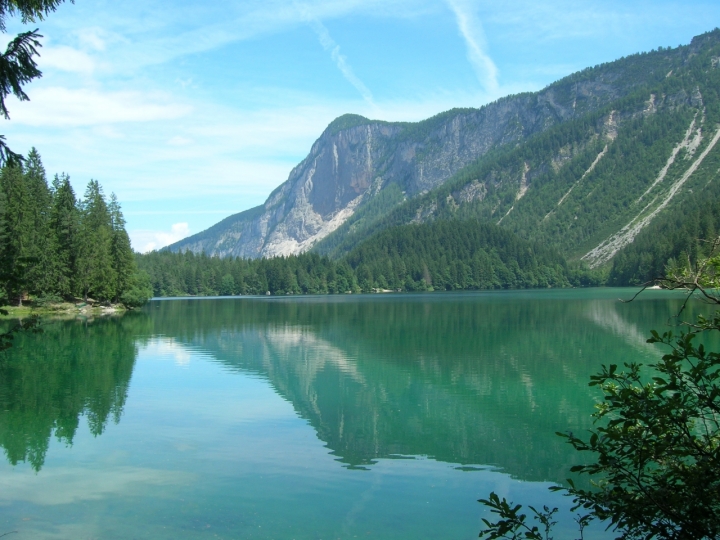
{"points": [[5, 262], [39, 250], [123, 259], [52, 244], [17, 223], [95, 272], [63, 231]]}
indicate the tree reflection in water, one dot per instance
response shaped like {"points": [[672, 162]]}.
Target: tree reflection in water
{"points": [[74, 368]]}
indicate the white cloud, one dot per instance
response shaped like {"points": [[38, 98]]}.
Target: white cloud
{"points": [[472, 32], [223, 212], [239, 156], [150, 240], [108, 132], [179, 141], [92, 38], [65, 107], [66, 58]]}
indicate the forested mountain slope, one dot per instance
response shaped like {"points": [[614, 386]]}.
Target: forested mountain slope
{"points": [[684, 233], [583, 165], [590, 185], [456, 255], [442, 255]]}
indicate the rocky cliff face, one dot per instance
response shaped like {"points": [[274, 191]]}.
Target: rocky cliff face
{"points": [[356, 158]]}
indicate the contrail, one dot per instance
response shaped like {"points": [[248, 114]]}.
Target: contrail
{"points": [[471, 31], [333, 48]]}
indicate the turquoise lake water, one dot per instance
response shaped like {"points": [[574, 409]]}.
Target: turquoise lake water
{"points": [[375, 416]]}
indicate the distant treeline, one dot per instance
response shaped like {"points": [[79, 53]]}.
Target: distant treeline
{"points": [[443, 255], [181, 274], [55, 246]]}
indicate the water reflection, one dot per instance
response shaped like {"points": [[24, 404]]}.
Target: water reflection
{"points": [[466, 379], [48, 381]]}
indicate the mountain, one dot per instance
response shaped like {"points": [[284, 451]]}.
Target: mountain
{"points": [[582, 166]]}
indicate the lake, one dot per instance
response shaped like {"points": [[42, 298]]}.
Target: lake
{"points": [[372, 416]]}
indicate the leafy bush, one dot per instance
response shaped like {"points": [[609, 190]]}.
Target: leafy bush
{"points": [[47, 300], [138, 292]]}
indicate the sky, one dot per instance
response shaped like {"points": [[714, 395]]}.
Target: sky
{"points": [[193, 111]]}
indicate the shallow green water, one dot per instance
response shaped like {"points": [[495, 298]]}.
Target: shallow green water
{"points": [[314, 417]]}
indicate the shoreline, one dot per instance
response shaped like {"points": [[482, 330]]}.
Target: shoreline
{"points": [[65, 308]]}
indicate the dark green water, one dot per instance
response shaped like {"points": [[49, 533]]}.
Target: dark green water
{"points": [[315, 417]]}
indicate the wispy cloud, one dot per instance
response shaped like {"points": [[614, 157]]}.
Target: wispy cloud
{"points": [[92, 38], [340, 60], [564, 20], [178, 140], [66, 107], [472, 32], [155, 36], [66, 58], [224, 212]]}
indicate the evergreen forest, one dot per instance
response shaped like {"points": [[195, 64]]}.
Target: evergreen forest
{"points": [[680, 237], [440, 255], [54, 246]]}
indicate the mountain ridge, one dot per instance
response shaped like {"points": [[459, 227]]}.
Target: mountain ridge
{"points": [[361, 172]]}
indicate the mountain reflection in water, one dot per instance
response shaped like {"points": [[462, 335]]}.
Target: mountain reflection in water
{"points": [[469, 379], [483, 379]]}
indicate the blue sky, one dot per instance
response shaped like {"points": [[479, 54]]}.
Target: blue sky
{"points": [[192, 111]]}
